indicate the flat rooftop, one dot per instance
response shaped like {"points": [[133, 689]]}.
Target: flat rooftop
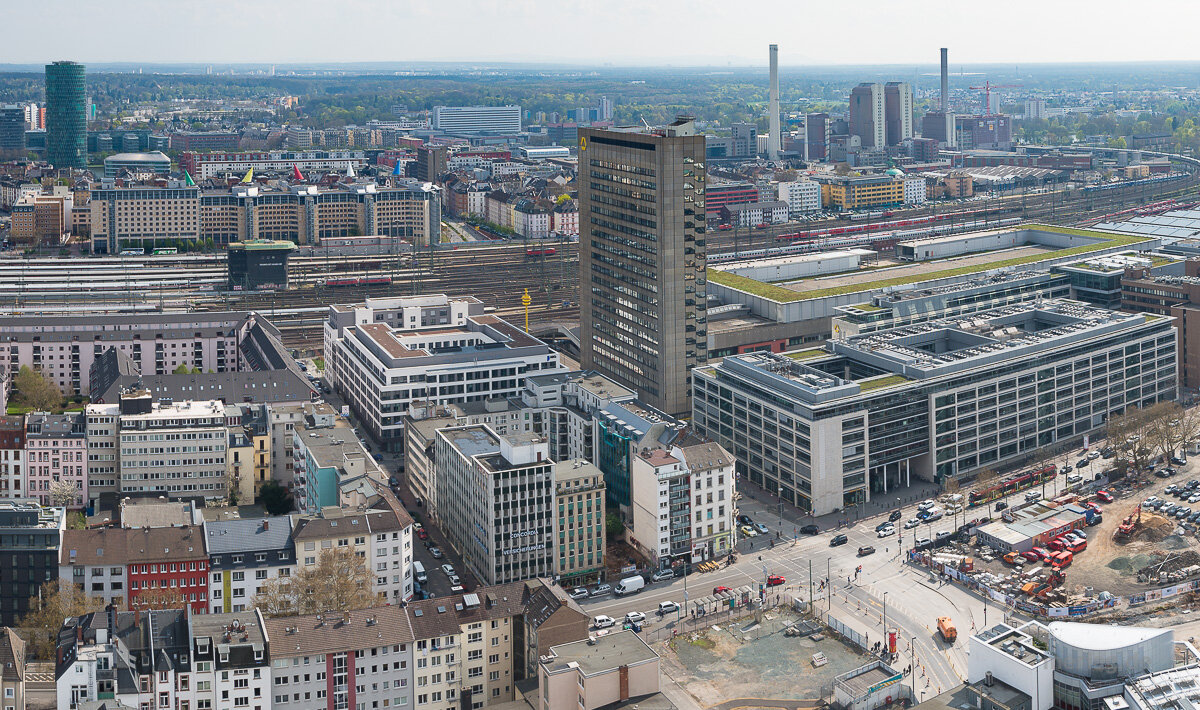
{"points": [[916, 270], [1038, 249], [962, 342], [606, 653], [858, 685], [1014, 643]]}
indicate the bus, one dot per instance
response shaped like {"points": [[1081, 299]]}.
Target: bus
{"points": [[133, 252], [160, 251]]}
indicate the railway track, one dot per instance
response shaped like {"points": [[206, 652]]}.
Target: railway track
{"points": [[497, 274]]}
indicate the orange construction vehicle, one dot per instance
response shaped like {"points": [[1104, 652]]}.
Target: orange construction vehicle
{"points": [[946, 628]]}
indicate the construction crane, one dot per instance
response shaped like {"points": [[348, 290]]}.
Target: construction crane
{"points": [[987, 93]]}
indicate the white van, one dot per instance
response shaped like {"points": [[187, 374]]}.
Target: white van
{"points": [[630, 585], [419, 573]]}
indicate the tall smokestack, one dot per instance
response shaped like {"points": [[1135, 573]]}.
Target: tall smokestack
{"points": [[945, 80], [773, 140]]}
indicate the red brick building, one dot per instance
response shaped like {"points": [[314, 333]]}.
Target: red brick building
{"points": [[168, 558]]}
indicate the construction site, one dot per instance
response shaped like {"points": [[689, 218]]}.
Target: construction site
{"points": [[1095, 550]]}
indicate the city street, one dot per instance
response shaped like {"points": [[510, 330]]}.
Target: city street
{"points": [[913, 598]]}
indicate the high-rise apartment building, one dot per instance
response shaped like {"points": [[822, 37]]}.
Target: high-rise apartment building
{"points": [[881, 114], [867, 119], [477, 119], [897, 111], [66, 115], [642, 290], [745, 139], [431, 162]]}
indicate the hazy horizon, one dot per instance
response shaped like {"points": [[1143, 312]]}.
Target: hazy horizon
{"points": [[618, 33]]}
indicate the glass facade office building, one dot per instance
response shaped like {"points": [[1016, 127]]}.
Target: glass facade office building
{"points": [[66, 115]]}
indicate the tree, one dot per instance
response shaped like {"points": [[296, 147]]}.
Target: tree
{"points": [[613, 527], [340, 581], [275, 499], [181, 370], [56, 600], [35, 391], [64, 494], [158, 598]]}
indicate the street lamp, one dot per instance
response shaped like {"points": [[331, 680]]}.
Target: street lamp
{"points": [[828, 586], [781, 509]]}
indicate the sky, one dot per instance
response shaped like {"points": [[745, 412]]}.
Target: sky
{"points": [[590, 32]]}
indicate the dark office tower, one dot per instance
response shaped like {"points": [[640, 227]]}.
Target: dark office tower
{"points": [[12, 127], [816, 136], [642, 259], [66, 115], [431, 163]]}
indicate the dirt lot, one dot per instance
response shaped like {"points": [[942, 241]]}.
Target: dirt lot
{"points": [[1112, 566], [717, 664]]}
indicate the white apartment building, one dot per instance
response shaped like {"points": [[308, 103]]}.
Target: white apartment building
{"points": [[380, 535], [476, 468], [386, 353], [756, 213], [682, 502], [914, 191], [175, 448], [244, 555], [801, 196], [477, 119]]}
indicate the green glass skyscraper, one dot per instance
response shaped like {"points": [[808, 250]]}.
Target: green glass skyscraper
{"points": [[66, 115]]}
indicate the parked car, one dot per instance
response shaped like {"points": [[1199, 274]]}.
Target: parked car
{"points": [[838, 540], [922, 543], [1104, 496], [448, 569], [744, 519], [436, 552], [603, 621], [667, 607], [422, 534], [600, 590], [1031, 556], [578, 593], [1178, 460], [943, 535], [720, 590], [634, 617], [1082, 462], [926, 505], [810, 530], [660, 575], [1093, 455], [1074, 479], [1066, 469], [748, 531], [774, 580]]}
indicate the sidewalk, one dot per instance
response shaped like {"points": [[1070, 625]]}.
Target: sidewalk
{"points": [[764, 507]]}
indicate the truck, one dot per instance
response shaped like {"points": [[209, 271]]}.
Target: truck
{"points": [[1061, 560], [419, 573], [946, 629], [630, 585]]}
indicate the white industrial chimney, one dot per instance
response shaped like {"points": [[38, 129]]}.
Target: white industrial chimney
{"points": [[773, 140]]}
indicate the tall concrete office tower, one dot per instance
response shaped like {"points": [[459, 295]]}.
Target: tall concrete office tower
{"points": [[774, 137], [945, 80], [642, 288], [66, 115]]}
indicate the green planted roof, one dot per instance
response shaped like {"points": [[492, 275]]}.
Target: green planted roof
{"points": [[807, 354], [785, 295], [881, 382]]}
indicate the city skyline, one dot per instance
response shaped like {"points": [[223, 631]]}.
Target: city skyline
{"points": [[586, 34]]}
